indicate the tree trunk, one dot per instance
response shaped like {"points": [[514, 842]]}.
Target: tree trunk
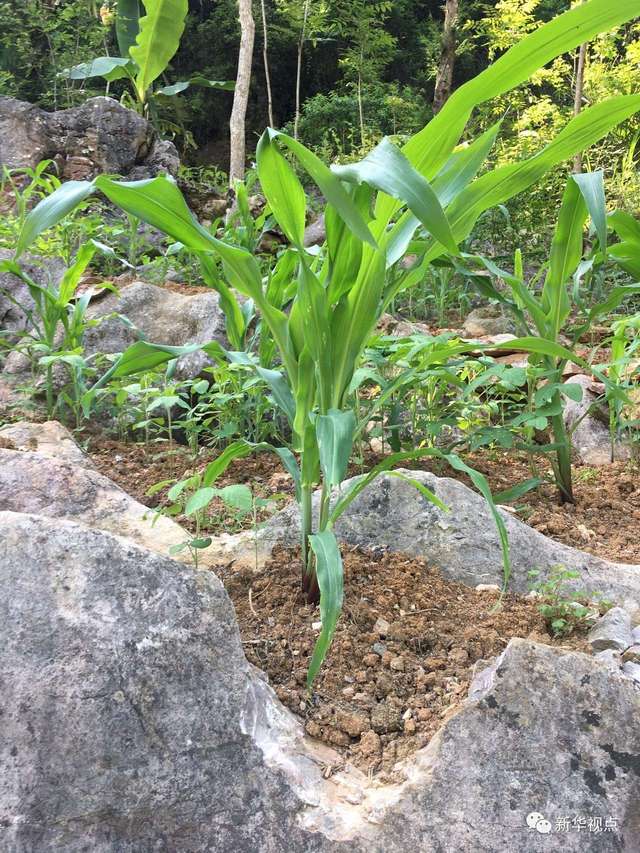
{"points": [[265, 59], [241, 94], [303, 33], [579, 91], [444, 77]]}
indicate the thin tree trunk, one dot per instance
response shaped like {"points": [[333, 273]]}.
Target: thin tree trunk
{"points": [[361, 111], [579, 91], [444, 77], [303, 33], [265, 59], [241, 94]]}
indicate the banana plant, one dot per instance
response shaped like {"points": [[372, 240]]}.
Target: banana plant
{"points": [[424, 198], [543, 314], [147, 43]]}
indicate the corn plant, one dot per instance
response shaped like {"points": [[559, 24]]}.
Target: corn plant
{"points": [[544, 314], [424, 198]]}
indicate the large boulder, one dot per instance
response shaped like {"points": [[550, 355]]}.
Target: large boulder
{"points": [[98, 136], [65, 486], [132, 723], [463, 543], [162, 316]]}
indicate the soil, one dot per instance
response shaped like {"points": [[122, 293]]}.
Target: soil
{"points": [[402, 658]]}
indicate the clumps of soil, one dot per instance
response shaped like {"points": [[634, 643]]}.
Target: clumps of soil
{"points": [[402, 657]]}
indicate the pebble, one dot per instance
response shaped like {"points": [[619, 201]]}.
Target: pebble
{"points": [[459, 656], [397, 664], [379, 648], [348, 692], [371, 660], [361, 676], [381, 627], [410, 727], [386, 718], [613, 631], [313, 729], [351, 723], [487, 587], [370, 743]]}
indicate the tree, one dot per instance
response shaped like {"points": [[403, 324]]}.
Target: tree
{"points": [[444, 78], [241, 94]]}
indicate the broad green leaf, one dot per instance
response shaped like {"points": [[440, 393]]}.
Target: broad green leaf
{"points": [[329, 184], [335, 432], [330, 580], [51, 210], [158, 40], [236, 496], [109, 67], [215, 469], [625, 226], [202, 82], [199, 500], [387, 169], [280, 390], [282, 189], [73, 274], [517, 491], [127, 24], [315, 317]]}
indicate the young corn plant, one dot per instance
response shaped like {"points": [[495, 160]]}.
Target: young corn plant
{"points": [[544, 314], [424, 198]]}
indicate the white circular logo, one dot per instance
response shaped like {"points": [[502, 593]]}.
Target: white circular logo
{"points": [[537, 821]]}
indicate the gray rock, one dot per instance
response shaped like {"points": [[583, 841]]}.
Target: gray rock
{"points": [[49, 439], [488, 320], [162, 316], [632, 654], [635, 635], [632, 670], [69, 488], [588, 422], [98, 136], [611, 658], [15, 299], [613, 631], [316, 233], [463, 543], [131, 719]]}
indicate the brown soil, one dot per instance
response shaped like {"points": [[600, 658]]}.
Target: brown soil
{"points": [[604, 521], [402, 656]]}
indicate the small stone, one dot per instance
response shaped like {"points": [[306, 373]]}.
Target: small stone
{"points": [[370, 660], [337, 737], [407, 714], [384, 685], [613, 631], [385, 718], [351, 723], [410, 727], [313, 729], [379, 648], [381, 627], [611, 658], [424, 714], [632, 654], [387, 657], [348, 692], [361, 676], [487, 587], [370, 744], [317, 626], [459, 656], [397, 664], [632, 670]]}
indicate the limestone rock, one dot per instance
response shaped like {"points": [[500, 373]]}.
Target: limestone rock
{"points": [[163, 316], [613, 631], [49, 439], [316, 233], [488, 320], [66, 488], [96, 137]]}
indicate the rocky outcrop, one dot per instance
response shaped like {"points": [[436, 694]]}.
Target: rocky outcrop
{"points": [[463, 543], [99, 136], [488, 320]]}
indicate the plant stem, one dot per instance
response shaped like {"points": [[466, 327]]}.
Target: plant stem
{"points": [[309, 578], [563, 457]]}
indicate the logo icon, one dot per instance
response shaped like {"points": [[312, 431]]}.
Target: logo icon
{"points": [[537, 821]]}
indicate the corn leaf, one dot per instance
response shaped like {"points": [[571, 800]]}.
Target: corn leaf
{"points": [[331, 582], [282, 190], [335, 433], [51, 210]]}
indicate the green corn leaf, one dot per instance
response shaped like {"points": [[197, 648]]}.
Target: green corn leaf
{"points": [[199, 500], [158, 39], [517, 491], [625, 226], [282, 190], [387, 169], [51, 210], [566, 252], [314, 313], [280, 390], [627, 256], [591, 186], [331, 582], [127, 24], [335, 432], [235, 324], [305, 397], [71, 278], [329, 184]]}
